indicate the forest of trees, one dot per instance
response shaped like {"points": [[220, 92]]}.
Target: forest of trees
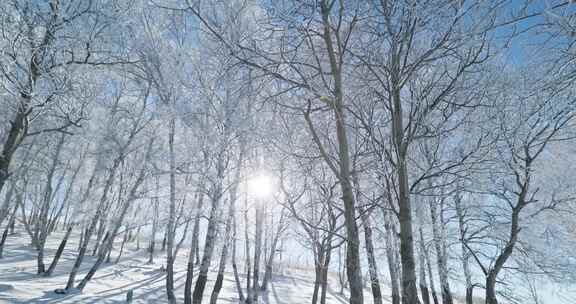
{"points": [[422, 148]]}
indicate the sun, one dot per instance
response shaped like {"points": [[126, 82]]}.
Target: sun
{"points": [[261, 185]]}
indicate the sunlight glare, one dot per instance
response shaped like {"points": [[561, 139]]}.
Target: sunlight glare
{"points": [[260, 186]]}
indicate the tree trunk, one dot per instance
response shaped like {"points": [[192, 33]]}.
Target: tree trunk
{"points": [[247, 255], [83, 246], [422, 260], [10, 226], [189, 277], [431, 276], [59, 252], [400, 144], [193, 246], [99, 235], [317, 277], [209, 245], [223, 256], [171, 229], [124, 240], [491, 289], [40, 257], [94, 268], [506, 252], [465, 253], [152, 246], [372, 267], [257, 254], [409, 289], [270, 260], [3, 241], [234, 265], [5, 209], [155, 203], [324, 272], [108, 241], [12, 223], [137, 237], [353, 266], [341, 273], [392, 262], [441, 255], [17, 132]]}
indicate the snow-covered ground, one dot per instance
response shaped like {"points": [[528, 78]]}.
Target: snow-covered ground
{"points": [[20, 284]]}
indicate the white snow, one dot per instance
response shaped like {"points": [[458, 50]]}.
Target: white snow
{"points": [[20, 284]]}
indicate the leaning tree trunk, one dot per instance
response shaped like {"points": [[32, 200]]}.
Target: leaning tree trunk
{"points": [[99, 233], [42, 224], [12, 223], [209, 243], [124, 240], [270, 260], [100, 258], [8, 227], [108, 241], [506, 251], [193, 246], [230, 235], [59, 252], [3, 241], [87, 233], [82, 250], [223, 256], [5, 209], [17, 132]]}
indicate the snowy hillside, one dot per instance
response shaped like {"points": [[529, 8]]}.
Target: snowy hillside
{"points": [[20, 284]]}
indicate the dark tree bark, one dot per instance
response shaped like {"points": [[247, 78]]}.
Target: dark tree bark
{"points": [[59, 252], [270, 260], [324, 272], [223, 256], [171, 228], [108, 241], [317, 274], [10, 226], [3, 241], [124, 240], [372, 266], [193, 253], [210, 241]]}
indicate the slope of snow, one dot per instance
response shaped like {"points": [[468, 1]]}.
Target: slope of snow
{"points": [[20, 284]]}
